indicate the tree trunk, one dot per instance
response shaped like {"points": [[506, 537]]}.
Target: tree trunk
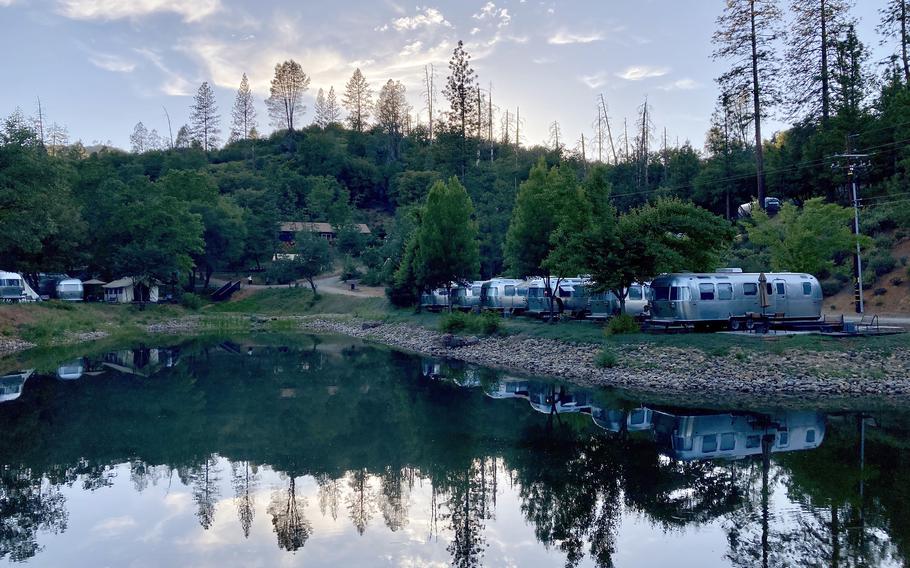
{"points": [[904, 42], [759, 151], [208, 277], [826, 102], [313, 286]]}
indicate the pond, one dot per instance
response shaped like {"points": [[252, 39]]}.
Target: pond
{"points": [[324, 451]]}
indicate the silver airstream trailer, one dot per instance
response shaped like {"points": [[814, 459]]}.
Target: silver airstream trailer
{"points": [[436, 300], [604, 305], [570, 295], [734, 299], [504, 295], [467, 298], [69, 290]]}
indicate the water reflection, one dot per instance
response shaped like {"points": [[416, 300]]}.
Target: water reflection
{"points": [[342, 453]]}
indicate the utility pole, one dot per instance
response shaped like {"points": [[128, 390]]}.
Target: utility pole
{"points": [[852, 166]]}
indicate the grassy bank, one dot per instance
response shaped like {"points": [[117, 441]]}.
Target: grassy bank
{"points": [[51, 323]]}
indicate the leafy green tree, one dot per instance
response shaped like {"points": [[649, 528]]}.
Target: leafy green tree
{"points": [[447, 239], [313, 257], [805, 240]]}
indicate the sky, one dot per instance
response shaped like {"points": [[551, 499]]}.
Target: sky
{"points": [[101, 66]]}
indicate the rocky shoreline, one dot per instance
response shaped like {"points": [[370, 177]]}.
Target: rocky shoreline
{"points": [[848, 373]]}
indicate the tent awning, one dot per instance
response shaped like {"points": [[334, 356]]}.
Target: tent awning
{"points": [[94, 282]]}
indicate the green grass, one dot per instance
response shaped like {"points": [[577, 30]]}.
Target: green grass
{"points": [[300, 301]]}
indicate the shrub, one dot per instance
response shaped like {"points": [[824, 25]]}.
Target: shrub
{"points": [[372, 277], [879, 292], [884, 242], [896, 281], [606, 359], [623, 323], [831, 286], [486, 323], [881, 263], [282, 272], [349, 270], [191, 301]]}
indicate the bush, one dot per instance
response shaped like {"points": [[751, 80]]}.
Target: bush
{"points": [[831, 286], [349, 270], [191, 301], [881, 263], [896, 281], [372, 277], [486, 323], [623, 323], [606, 359], [282, 272], [879, 292]]}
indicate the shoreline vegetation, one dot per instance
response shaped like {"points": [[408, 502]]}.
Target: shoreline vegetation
{"points": [[783, 366]]}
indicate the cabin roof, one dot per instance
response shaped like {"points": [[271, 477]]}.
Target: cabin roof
{"points": [[298, 226]]}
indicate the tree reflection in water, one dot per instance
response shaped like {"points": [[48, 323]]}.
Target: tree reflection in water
{"points": [[376, 432]]}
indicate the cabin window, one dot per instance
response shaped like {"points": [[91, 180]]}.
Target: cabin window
{"points": [[784, 439], [709, 443], [635, 293], [807, 289], [724, 291], [750, 289], [781, 289], [510, 290], [661, 292], [753, 441], [727, 441], [706, 291], [679, 293], [810, 436]]}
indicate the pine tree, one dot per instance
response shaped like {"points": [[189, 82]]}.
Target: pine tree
{"points": [[332, 110], [204, 118], [746, 34], [183, 137], [392, 108], [895, 24], [812, 42], [461, 91], [244, 114], [319, 110], [849, 75], [139, 139], [358, 100], [286, 93], [155, 142]]}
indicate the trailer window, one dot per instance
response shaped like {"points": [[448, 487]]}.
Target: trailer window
{"points": [[661, 292], [784, 439], [750, 289], [753, 441], [492, 292], [510, 290], [535, 293], [709, 443], [706, 291], [679, 294], [807, 289], [522, 291], [781, 289], [683, 444], [635, 293], [727, 441], [565, 292], [475, 290], [725, 291], [810, 436], [769, 288]]}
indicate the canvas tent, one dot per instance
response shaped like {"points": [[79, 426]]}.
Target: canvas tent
{"points": [[127, 290]]}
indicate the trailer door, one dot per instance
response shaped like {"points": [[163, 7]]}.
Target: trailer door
{"points": [[781, 301]]}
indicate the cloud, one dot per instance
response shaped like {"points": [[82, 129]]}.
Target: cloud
{"points": [[427, 18], [411, 48], [543, 60], [596, 80], [174, 84], [113, 63], [189, 10], [563, 37], [488, 10], [680, 85], [114, 526], [4, 3], [639, 72]]}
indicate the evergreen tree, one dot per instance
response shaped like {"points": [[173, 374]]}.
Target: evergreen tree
{"points": [[358, 100], [746, 36], [319, 110], [895, 24], [849, 76], [286, 94], [332, 110], [139, 139], [460, 90], [392, 108], [204, 118], [244, 113], [183, 137], [447, 249]]}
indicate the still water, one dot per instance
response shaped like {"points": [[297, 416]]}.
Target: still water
{"points": [[323, 451]]}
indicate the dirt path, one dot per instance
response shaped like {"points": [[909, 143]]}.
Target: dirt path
{"points": [[326, 284]]}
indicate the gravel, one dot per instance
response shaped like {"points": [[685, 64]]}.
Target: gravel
{"points": [[641, 367]]}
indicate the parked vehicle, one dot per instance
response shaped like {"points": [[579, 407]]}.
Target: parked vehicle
{"points": [[437, 300], [11, 385], [737, 300], [15, 289], [504, 295], [69, 290], [570, 296], [467, 298], [772, 206], [604, 305]]}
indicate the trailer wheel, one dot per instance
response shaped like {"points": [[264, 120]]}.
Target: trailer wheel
{"points": [[735, 325], [750, 324]]}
